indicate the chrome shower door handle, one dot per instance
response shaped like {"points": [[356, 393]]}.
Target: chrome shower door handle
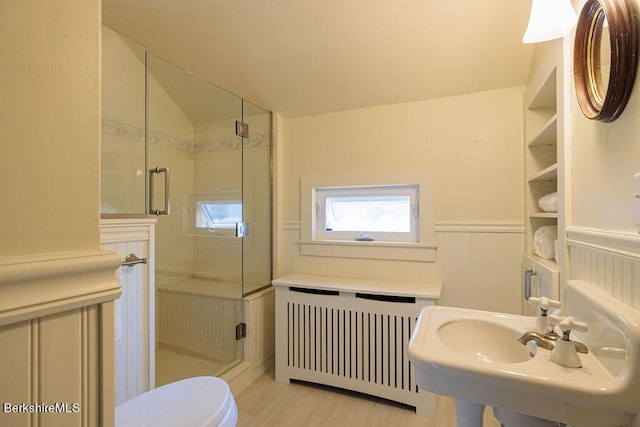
{"points": [[167, 197]]}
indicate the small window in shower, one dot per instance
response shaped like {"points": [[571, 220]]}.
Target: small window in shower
{"points": [[212, 214], [218, 214]]}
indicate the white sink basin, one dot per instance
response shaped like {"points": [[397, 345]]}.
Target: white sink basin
{"points": [[455, 352], [487, 341]]}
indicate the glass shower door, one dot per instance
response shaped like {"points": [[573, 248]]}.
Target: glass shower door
{"points": [[256, 188], [192, 133]]}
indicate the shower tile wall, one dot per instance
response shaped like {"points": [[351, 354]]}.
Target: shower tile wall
{"points": [[217, 171], [123, 150], [123, 117]]}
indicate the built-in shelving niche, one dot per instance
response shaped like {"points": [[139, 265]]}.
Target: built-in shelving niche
{"points": [[541, 168]]}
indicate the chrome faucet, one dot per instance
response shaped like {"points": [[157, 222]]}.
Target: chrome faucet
{"points": [[548, 340], [543, 341], [544, 333]]}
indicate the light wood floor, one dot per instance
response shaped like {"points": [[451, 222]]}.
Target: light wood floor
{"points": [[267, 403]]}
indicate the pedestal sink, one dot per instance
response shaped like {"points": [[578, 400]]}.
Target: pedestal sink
{"points": [[474, 356]]}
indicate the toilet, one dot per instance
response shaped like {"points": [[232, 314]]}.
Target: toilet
{"points": [[193, 402]]}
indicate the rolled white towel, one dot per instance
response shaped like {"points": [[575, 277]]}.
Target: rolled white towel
{"points": [[544, 241], [549, 203]]}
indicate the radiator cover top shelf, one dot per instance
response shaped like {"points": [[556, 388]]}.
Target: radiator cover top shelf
{"points": [[424, 290], [352, 334]]}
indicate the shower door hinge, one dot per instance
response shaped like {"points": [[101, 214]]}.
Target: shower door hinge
{"points": [[241, 331], [242, 129], [242, 229]]}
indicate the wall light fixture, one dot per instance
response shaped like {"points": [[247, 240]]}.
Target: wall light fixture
{"points": [[549, 19]]}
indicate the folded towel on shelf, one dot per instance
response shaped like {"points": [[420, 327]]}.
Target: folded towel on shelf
{"points": [[549, 203], [544, 241]]}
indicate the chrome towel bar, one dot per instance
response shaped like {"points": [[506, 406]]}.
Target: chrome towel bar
{"points": [[132, 260], [527, 283]]}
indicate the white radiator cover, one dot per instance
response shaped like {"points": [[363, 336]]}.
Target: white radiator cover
{"points": [[352, 334]]}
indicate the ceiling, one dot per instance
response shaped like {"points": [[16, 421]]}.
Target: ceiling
{"points": [[303, 57]]}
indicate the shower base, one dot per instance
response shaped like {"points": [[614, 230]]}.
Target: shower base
{"points": [[173, 366]]}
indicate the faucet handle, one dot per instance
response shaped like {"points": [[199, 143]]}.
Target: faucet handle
{"points": [[568, 324], [544, 303], [565, 352]]}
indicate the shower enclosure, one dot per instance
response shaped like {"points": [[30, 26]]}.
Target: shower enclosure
{"points": [[198, 158]]}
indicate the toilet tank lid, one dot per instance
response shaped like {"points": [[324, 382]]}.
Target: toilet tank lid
{"points": [[192, 402]]}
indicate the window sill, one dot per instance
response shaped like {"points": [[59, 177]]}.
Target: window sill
{"points": [[370, 250], [210, 236]]}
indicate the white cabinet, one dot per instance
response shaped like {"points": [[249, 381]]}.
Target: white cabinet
{"points": [[135, 310]]}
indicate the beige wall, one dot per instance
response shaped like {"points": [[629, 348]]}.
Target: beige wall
{"points": [[473, 146], [49, 126], [605, 158], [56, 288], [602, 236], [472, 143]]}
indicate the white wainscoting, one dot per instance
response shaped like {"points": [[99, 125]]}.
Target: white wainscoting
{"points": [[198, 317], [260, 318], [56, 337], [292, 261], [479, 264], [609, 260], [134, 310], [259, 346]]}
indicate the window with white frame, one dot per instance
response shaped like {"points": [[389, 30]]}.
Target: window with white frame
{"points": [[387, 213], [378, 215]]}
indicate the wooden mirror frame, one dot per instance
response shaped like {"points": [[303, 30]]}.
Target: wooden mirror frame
{"points": [[597, 102]]}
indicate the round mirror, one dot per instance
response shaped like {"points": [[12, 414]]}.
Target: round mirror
{"points": [[605, 58]]}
